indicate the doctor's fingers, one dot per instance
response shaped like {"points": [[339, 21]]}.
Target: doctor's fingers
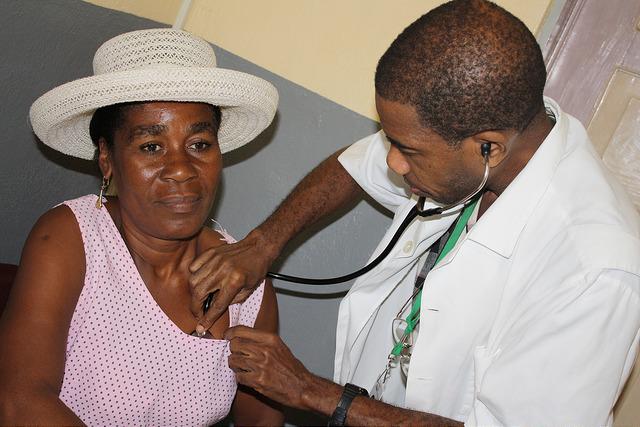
{"points": [[214, 267], [261, 349], [232, 288], [247, 372], [202, 280], [256, 335], [269, 373], [199, 293], [208, 274], [265, 349], [258, 352], [247, 356], [240, 256], [207, 264]]}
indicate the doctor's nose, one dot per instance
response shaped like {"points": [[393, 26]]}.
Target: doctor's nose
{"points": [[397, 162]]}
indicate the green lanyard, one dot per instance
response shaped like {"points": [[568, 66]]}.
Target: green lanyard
{"points": [[414, 316]]}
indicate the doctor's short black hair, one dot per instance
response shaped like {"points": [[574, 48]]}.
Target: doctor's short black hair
{"points": [[466, 66], [107, 119]]}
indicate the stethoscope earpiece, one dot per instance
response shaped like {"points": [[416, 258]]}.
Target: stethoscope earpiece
{"points": [[485, 149]]}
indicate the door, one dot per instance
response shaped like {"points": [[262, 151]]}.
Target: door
{"points": [[593, 63]]}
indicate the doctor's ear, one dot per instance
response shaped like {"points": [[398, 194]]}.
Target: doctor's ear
{"points": [[493, 145]]}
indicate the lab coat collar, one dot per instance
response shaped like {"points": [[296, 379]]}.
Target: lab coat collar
{"points": [[500, 227]]}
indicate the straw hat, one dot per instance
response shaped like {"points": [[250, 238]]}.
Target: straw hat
{"points": [[154, 65]]}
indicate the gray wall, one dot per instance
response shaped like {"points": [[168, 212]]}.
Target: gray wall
{"points": [[46, 43]]}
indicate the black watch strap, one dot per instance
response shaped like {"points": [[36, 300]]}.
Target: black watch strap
{"points": [[339, 416]]}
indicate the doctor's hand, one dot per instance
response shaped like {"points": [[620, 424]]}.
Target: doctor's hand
{"points": [[263, 362], [231, 272]]}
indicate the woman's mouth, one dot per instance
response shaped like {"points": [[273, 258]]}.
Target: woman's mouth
{"points": [[181, 203]]}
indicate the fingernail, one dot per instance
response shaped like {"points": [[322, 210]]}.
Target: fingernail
{"points": [[200, 331]]}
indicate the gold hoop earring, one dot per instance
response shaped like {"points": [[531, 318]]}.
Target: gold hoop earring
{"points": [[101, 199]]}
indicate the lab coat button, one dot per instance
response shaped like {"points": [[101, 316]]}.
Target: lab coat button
{"points": [[408, 246]]}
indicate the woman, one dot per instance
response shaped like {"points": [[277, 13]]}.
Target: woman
{"points": [[98, 329]]}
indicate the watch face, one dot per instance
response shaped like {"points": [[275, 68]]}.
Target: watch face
{"points": [[358, 390]]}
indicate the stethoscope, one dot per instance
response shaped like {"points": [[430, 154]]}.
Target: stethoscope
{"points": [[417, 210]]}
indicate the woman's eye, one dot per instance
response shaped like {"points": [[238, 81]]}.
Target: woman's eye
{"points": [[200, 145], [150, 147]]}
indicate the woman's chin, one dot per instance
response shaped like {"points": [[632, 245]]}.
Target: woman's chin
{"points": [[181, 230]]}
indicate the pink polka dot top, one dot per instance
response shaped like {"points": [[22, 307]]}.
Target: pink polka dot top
{"points": [[127, 363]]}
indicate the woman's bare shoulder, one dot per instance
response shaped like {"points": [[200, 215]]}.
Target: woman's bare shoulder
{"points": [[58, 220], [50, 276], [211, 238], [54, 246]]}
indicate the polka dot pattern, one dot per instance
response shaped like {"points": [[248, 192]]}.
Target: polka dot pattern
{"points": [[126, 362]]}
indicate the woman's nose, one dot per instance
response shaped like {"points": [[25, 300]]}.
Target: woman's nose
{"points": [[397, 162], [179, 167]]}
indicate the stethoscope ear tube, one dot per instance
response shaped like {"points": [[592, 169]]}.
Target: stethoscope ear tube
{"points": [[418, 209], [341, 279]]}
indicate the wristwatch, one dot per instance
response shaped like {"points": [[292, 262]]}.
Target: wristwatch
{"points": [[350, 391]]}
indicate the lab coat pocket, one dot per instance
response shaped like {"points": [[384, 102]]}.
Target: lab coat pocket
{"points": [[479, 413], [482, 359]]}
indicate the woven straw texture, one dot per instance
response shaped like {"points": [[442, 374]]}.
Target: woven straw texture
{"points": [[154, 65]]}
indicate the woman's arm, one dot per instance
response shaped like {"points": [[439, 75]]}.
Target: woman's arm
{"points": [[250, 408], [35, 323]]}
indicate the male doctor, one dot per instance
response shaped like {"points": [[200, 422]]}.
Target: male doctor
{"points": [[520, 308]]}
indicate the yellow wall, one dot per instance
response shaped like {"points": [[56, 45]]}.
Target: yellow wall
{"points": [[157, 10], [328, 46]]}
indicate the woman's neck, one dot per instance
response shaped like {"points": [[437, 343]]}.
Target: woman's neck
{"points": [[162, 258]]}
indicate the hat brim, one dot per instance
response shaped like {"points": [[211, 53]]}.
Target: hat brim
{"points": [[61, 117]]}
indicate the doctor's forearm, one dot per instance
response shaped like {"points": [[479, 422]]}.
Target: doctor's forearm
{"points": [[322, 396], [323, 191]]}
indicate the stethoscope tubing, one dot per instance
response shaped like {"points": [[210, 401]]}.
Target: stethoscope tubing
{"points": [[417, 210], [341, 279]]}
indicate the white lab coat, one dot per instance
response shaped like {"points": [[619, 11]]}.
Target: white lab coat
{"points": [[532, 319]]}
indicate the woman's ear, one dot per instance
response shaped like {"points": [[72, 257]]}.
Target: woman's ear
{"points": [[104, 158], [499, 144]]}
